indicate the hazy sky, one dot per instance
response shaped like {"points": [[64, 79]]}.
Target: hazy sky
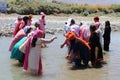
{"points": [[90, 1]]}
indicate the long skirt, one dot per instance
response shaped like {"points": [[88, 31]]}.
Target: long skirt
{"points": [[16, 53], [34, 61]]}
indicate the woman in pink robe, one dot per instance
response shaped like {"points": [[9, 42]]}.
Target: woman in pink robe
{"points": [[42, 22], [20, 25], [84, 31], [42, 25], [32, 61], [22, 33]]}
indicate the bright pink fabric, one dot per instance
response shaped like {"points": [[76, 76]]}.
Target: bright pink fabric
{"points": [[42, 14], [16, 38], [29, 22], [20, 25], [84, 34], [27, 50], [37, 34], [42, 24]]}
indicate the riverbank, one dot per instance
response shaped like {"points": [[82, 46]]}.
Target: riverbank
{"points": [[7, 22]]}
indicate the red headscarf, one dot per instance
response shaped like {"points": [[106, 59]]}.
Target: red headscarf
{"points": [[70, 35]]}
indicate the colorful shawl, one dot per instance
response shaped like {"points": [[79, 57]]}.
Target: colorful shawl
{"points": [[71, 35], [36, 34]]}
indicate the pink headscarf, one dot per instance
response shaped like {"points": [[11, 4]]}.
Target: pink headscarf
{"points": [[42, 13], [36, 34]]}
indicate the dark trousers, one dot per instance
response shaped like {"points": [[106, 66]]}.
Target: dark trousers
{"points": [[106, 45]]}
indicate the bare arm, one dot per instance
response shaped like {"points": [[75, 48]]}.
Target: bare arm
{"points": [[62, 45], [43, 40]]}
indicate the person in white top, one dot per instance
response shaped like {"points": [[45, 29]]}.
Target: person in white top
{"points": [[74, 27], [98, 28]]}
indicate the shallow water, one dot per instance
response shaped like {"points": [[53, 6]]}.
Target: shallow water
{"points": [[55, 66]]}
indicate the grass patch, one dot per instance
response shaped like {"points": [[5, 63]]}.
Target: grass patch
{"points": [[35, 7]]}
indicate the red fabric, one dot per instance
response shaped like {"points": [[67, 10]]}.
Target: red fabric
{"points": [[40, 67], [16, 29], [27, 53], [19, 26], [16, 38]]}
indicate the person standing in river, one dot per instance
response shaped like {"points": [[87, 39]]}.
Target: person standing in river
{"points": [[15, 52], [20, 25], [106, 35], [42, 24], [19, 18], [96, 49], [84, 31], [97, 24], [20, 34], [80, 50], [32, 61], [70, 26]]}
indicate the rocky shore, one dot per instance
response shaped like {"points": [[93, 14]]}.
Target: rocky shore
{"points": [[7, 29]]}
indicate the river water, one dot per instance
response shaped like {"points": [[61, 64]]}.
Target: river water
{"points": [[55, 66]]}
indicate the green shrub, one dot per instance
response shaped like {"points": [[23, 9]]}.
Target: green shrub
{"points": [[116, 8], [35, 7]]}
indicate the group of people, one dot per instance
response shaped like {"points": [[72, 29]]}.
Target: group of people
{"points": [[27, 41], [85, 43]]}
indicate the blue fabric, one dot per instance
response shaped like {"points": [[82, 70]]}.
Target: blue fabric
{"points": [[84, 52]]}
